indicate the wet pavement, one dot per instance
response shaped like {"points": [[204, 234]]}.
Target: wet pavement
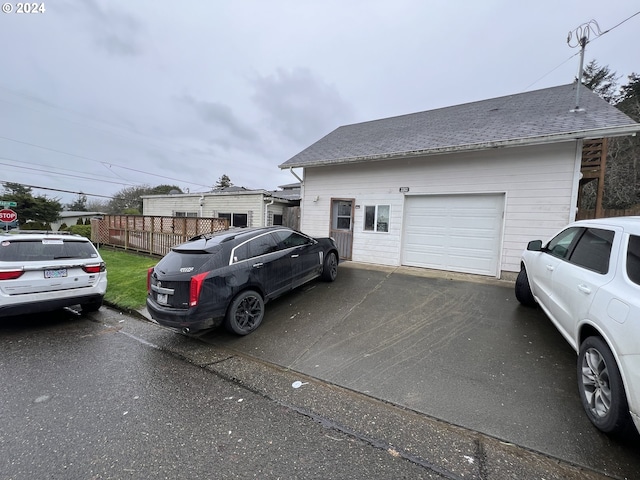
{"points": [[456, 348], [97, 400], [385, 373]]}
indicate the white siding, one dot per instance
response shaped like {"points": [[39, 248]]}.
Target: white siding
{"points": [[166, 206], [252, 205], [275, 209], [539, 184]]}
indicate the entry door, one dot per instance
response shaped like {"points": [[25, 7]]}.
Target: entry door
{"points": [[342, 226]]}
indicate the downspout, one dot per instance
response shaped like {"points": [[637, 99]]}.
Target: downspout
{"points": [[266, 210], [295, 175]]}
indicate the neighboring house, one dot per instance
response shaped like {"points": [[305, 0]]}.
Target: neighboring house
{"points": [[70, 217], [461, 188], [242, 207]]}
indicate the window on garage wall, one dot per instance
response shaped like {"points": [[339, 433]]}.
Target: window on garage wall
{"points": [[376, 218], [185, 214]]}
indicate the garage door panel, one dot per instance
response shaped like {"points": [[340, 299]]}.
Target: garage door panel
{"points": [[453, 232]]}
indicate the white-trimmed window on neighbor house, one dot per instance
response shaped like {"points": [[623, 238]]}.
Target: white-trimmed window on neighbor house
{"points": [[235, 219], [185, 214], [376, 218]]}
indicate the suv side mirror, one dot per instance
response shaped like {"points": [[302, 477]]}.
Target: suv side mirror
{"points": [[534, 245]]}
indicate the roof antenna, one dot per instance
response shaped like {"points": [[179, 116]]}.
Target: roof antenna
{"points": [[581, 34]]}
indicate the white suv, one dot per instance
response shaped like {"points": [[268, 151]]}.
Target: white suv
{"points": [[44, 271], [587, 281]]}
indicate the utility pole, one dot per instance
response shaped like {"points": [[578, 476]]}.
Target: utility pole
{"points": [[579, 38], [592, 168]]}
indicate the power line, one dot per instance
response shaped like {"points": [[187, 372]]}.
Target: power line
{"points": [[616, 26], [58, 189], [600, 34], [103, 163], [65, 174], [130, 133], [550, 72]]}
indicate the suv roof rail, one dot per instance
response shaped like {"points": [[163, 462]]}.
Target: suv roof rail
{"points": [[41, 232]]}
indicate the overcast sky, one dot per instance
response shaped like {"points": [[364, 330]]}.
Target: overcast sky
{"points": [[99, 95]]}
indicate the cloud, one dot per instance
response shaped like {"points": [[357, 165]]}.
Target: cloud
{"points": [[224, 127], [115, 31], [299, 106]]}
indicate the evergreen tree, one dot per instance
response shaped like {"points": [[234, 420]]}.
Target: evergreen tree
{"points": [[223, 182], [29, 207]]}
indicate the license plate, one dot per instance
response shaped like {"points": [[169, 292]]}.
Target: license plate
{"points": [[162, 298], [61, 272]]}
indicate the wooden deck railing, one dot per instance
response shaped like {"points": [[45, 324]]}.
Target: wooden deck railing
{"points": [[153, 235]]}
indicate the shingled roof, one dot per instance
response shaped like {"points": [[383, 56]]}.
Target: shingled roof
{"points": [[542, 116]]}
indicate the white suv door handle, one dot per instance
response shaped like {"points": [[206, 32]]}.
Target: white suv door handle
{"points": [[584, 289], [550, 268]]}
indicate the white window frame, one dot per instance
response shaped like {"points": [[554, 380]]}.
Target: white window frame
{"points": [[376, 218], [185, 214]]}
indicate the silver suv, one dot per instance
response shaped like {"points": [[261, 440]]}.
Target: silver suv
{"points": [[44, 271]]}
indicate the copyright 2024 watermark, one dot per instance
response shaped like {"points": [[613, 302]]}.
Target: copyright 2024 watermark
{"points": [[23, 8]]}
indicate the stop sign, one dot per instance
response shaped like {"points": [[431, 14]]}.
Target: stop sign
{"points": [[7, 215]]}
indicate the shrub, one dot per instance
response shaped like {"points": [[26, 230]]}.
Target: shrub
{"points": [[33, 226], [84, 230]]}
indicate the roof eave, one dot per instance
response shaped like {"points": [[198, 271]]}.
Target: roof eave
{"points": [[607, 132], [208, 194]]}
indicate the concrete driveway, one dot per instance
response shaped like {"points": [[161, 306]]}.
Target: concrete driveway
{"points": [[454, 347]]}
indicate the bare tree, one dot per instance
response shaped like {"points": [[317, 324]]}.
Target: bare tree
{"points": [[622, 181]]}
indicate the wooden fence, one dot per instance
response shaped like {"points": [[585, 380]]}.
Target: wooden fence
{"points": [[153, 235], [586, 214]]}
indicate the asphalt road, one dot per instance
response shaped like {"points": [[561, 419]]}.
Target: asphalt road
{"points": [[89, 400], [108, 396]]}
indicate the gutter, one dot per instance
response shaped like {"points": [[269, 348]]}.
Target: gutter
{"points": [[471, 147]]}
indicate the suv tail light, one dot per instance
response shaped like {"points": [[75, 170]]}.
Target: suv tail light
{"points": [[94, 268], [195, 287], [149, 273], [10, 274]]}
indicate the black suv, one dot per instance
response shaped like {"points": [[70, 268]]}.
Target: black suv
{"points": [[229, 276]]}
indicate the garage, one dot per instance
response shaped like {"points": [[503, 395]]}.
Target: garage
{"points": [[460, 233], [466, 186]]}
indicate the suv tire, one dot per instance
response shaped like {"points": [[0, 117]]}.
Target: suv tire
{"points": [[601, 388], [523, 289]]}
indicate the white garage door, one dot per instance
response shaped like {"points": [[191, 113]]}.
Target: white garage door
{"points": [[460, 233]]}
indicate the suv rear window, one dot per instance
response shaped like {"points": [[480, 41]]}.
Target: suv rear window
{"points": [[593, 250], [37, 250], [633, 259]]}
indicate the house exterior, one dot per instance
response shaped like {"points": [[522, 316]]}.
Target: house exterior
{"points": [[462, 188], [71, 217], [242, 207]]}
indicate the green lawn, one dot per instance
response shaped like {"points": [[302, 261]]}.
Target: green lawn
{"points": [[127, 277]]}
